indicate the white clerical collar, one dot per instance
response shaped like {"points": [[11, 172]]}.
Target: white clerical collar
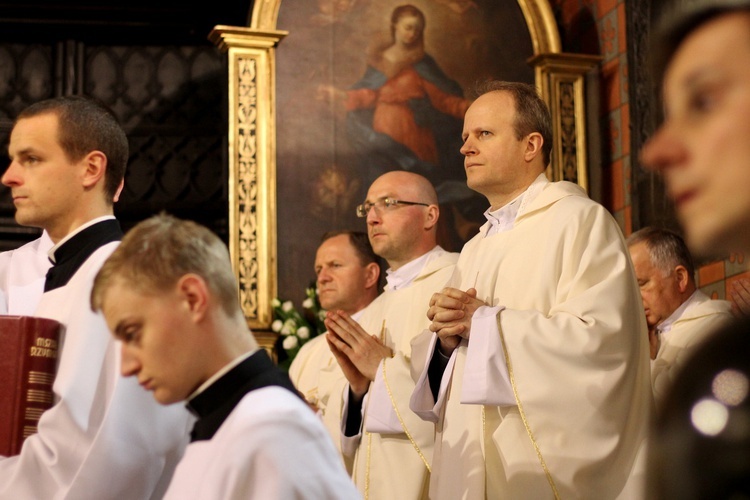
{"points": [[51, 252], [666, 326], [216, 376], [406, 274], [503, 218]]}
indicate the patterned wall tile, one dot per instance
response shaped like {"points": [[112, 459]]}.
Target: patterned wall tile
{"points": [[608, 35], [736, 264], [622, 38], [615, 136], [711, 273], [603, 7], [610, 78], [715, 290], [625, 129]]}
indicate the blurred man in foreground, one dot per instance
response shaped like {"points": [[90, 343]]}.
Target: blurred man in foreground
{"points": [[701, 58]]}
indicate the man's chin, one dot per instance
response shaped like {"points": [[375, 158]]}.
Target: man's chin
{"points": [[27, 220], [709, 245], [167, 398]]}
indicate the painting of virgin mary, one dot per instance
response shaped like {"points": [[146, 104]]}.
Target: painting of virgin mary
{"points": [[379, 85], [405, 112]]}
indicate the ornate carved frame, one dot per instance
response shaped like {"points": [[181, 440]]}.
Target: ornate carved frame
{"points": [[252, 144]]}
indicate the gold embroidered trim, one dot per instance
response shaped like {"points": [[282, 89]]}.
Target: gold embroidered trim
{"points": [[523, 418], [367, 469], [401, 421]]}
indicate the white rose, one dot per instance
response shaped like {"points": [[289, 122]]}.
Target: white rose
{"points": [[308, 303], [287, 306], [321, 315], [276, 325], [285, 330], [275, 303], [290, 342], [303, 332]]}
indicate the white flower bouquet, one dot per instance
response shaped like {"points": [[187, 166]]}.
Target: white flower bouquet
{"points": [[295, 328]]}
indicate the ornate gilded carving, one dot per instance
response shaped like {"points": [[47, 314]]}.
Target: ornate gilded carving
{"points": [[562, 80], [252, 166], [568, 134], [247, 184]]}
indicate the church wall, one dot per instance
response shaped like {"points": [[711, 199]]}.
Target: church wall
{"points": [[598, 27]]}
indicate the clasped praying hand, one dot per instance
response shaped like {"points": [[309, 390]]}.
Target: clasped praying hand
{"points": [[451, 311], [357, 352]]}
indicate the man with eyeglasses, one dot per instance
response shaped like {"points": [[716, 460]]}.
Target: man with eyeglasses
{"points": [[537, 377], [391, 446]]}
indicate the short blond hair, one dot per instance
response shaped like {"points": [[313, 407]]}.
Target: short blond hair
{"points": [[160, 250]]}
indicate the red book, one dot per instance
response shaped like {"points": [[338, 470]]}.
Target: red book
{"points": [[28, 364]]}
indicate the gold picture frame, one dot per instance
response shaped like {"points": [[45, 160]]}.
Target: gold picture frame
{"points": [[251, 53]]}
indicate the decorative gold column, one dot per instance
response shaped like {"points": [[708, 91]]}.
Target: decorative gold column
{"points": [[561, 79], [252, 166]]}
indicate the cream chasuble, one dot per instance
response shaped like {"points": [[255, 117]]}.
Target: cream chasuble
{"points": [[698, 322], [395, 450], [573, 337]]}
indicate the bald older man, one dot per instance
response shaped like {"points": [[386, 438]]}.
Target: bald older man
{"points": [[391, 446]]}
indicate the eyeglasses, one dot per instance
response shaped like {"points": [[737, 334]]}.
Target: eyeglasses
{"points": [[384, 204]]}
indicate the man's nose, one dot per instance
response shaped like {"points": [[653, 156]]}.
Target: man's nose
{"points": [[663, 150], [129, 364]]}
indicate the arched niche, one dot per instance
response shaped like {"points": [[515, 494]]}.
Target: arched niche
{"points": [[252, 145]]}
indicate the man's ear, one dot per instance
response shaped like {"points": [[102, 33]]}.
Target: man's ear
{"points": [[534, 143], [683, 278], [116, 197], [372, 275], [194, 293], [96, 166], [431, 218]]}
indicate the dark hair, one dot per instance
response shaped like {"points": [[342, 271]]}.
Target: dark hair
{"points": [[666, 249], [676, 20], [532, 113], [86, 125], [360, 242], [406, 10]]}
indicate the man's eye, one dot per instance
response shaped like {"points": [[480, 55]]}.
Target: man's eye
{"points": [[129, 336], [703, 101]]}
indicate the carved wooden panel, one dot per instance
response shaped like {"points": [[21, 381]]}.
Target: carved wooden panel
{"points": [[170, 100], [650, 205]]}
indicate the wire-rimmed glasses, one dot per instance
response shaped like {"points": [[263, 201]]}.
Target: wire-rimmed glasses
{"points": [[384, 204]]}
